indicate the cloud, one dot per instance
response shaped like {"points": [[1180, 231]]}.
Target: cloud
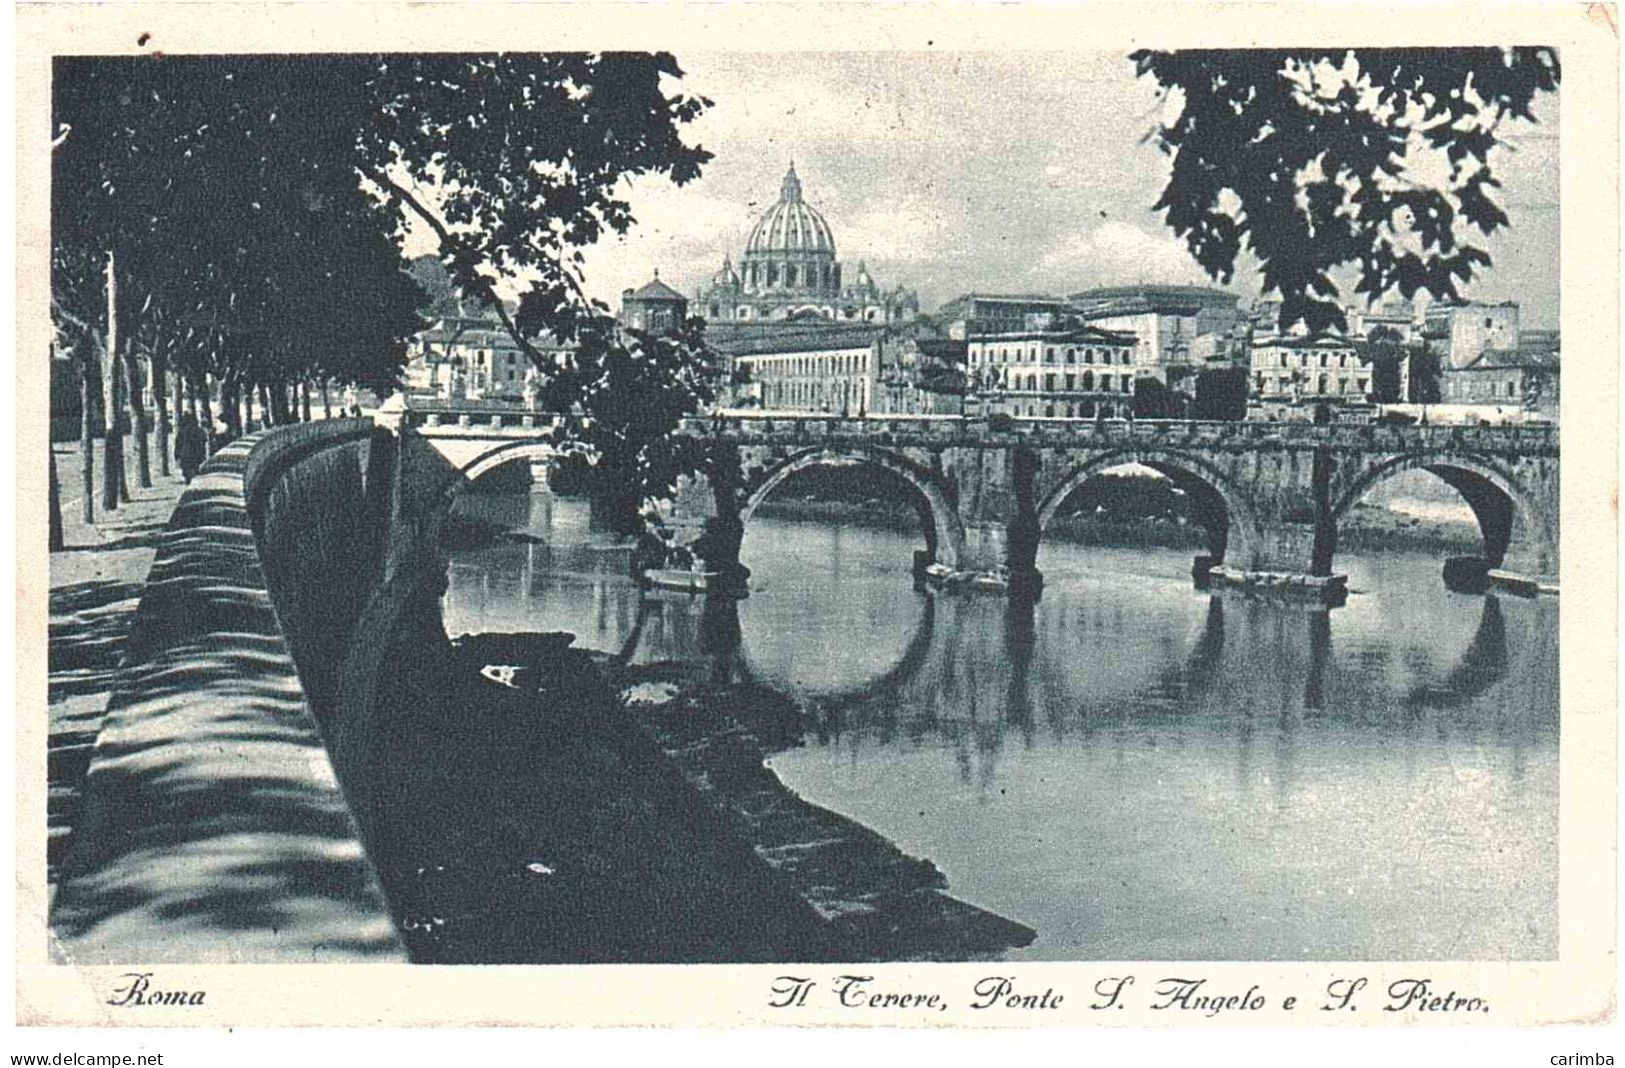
{"points": [[953, 172], [1119, 252]]}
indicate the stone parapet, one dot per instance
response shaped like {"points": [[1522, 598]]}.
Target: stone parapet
{"points": [[214, 827]]}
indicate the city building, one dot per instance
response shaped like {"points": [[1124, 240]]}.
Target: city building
{"points": [[1072, 371], [469, 353], [1525, 379], [922, 376], [1461, 330], [993, 313], [789, 270], [1400, 317], [809, 366], [1291, 373], [654, 308], [1166, 322]]}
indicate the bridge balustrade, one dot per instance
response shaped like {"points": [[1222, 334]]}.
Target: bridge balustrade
{"points": [[819, 427]]}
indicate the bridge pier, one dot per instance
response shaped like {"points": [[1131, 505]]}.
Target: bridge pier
{"points": [[1001, 554], [1282, 558], [539, 519]]}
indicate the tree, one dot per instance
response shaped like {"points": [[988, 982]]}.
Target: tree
{"points": [[1427, 375], [1153, 400], [1314, 161], [240, 243], [625, 393], [516, 162], [249, 197], [1221, 393], [1385, 352]]}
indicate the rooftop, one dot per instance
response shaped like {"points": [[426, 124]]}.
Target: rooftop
{"points": [[812, 335], [655, 290], [1086, 334]]}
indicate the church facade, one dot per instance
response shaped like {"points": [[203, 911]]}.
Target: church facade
{"points": [[789, 271]]}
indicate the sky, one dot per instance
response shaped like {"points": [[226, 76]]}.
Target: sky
{"points": [[981, 171]]}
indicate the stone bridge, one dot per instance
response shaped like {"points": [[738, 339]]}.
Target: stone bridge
{"points": [[1270, 496]]}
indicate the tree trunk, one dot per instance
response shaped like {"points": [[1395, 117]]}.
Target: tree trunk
{"points": [[116, 481], [55, 518], [327, 402], [90, 414], [230, 405], [304, 398], [248, 410], [139, 425], [160, 401], [200, 397], [111, 461]]}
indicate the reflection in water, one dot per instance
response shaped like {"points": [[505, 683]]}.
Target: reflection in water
{"points": [[1132, 768]]}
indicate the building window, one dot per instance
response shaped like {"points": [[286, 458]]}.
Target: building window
{"points": [[1071, 355], [1283, 359], [1049, 383], [1088, 380], [1088, 355], [1070, 381]]}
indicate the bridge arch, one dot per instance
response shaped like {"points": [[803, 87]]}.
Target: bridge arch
{"points": [[944, 533], [1223, 508], [509, 452], [1508, 513]]}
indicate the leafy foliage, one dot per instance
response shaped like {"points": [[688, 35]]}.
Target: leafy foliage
{"points": [[267, 192], [1427, 376], [1153, 400], [258, 206], [518, 161], [626, 392], [243, 249], [1384, 350], [1221, 393], [1318, 161]]}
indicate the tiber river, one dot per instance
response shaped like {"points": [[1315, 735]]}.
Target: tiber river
{"points": [[1135, 769]]}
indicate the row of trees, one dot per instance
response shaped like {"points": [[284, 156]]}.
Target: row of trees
{"points": [[230, 229]]}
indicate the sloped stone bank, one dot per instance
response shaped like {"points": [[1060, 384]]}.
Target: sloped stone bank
{"points": [[879, 903], [525, 818]]}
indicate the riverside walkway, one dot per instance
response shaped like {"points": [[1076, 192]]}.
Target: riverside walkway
{"points": [[95, 585]]}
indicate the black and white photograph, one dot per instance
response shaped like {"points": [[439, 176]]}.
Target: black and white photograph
{"points": [[809, 506]]}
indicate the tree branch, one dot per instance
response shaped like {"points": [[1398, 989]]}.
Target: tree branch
{"points": [[487, 290]]}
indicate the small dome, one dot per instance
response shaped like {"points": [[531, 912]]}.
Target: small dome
{"points": [[727, 276], [791, 225]]}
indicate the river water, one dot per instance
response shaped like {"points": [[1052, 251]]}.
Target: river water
{"points": [[1133, 768]]}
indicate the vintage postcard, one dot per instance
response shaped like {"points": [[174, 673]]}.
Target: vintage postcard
{"points": [[817, 514]]}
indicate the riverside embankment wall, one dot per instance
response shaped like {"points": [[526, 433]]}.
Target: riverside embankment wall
{"points": [[224, 811]]}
